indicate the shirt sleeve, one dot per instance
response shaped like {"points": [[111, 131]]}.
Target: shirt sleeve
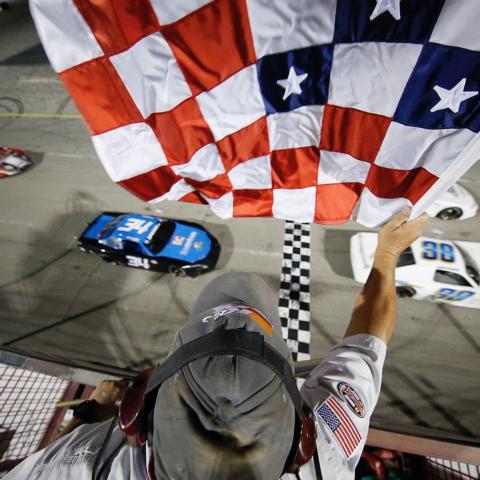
{"points": [[342, 391], [73, 456]]}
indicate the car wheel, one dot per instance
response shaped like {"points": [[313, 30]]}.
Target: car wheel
{"points": [[108, 260], [177, 271], [451, 213], [473, 274], [188, 270], [405, 292], [197, 270]]}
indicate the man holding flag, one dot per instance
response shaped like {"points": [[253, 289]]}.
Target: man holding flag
{"points": [[233, 414], [315, 111]]}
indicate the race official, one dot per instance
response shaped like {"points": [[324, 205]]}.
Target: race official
{"points": [[230, 416]]}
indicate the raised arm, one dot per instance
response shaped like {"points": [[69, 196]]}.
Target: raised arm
{"points": [[375, 311]]}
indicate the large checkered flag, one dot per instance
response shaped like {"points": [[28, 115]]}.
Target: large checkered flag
{"points": [[313, 111]]}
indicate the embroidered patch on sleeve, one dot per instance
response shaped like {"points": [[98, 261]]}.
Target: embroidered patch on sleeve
{"points": [[340, 424], [353, 399]]}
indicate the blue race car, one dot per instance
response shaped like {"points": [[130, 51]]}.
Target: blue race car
{"points": [[151, 243]]}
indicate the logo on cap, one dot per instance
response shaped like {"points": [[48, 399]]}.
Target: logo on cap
{"points": [[352, 398], [253, 313]]}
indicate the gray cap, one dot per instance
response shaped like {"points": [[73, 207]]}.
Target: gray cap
{"points": [[226, 416]]}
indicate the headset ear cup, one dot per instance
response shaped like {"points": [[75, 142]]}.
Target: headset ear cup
{"points": [[130, 410], [307, 442]]}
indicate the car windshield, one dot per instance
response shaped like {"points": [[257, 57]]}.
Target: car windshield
{"points": [[15, 161], [108, 229], [160, 237], [406, 258]]}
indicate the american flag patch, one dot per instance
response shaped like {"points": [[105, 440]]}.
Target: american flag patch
{"points": [[342, 427]]}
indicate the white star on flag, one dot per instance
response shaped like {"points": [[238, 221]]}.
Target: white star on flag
{"points": [[292, 83], [452, 98], [391, 6]]}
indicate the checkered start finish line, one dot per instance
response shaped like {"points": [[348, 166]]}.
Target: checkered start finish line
{"points": [[294, 293], [312, 111]]}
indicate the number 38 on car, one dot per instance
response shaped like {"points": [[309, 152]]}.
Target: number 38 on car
{"points": [[431, 269]]}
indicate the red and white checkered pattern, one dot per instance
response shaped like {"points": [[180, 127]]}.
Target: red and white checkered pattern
{"points": [[171, 96]]}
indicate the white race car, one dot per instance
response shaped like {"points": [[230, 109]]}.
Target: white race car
{"points": [[431, 269], [456, 203]]}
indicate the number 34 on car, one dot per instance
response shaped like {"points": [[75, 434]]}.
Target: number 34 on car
{"points": [[151, 243], [431, 269]]}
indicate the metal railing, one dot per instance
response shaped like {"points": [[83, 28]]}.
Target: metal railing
{"points": [[27, 405], [31, 387]]}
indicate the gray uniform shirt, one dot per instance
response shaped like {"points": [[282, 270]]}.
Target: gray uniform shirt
{"points": [[342, 391]]}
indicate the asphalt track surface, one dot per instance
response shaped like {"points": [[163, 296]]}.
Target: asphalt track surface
{"points": [[56, 300]]}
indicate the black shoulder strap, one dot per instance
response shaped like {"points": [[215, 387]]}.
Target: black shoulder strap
{"points": [[229, 342], [99, 469], [316, 464]]}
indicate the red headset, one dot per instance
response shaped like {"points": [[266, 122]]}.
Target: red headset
{"points": [[135, 408]]}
